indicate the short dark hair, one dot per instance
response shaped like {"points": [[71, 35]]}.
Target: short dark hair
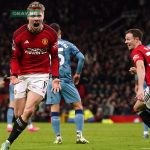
{"points": [[55, 26], [136, 33], [36, 5]]}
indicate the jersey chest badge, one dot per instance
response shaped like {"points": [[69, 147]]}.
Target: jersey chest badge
{"points": [[45, 41]]}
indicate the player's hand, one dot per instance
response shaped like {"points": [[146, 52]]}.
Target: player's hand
{"points": [[76, 78], [14, 80], [140, 94], [56, 85], [132, 70]]}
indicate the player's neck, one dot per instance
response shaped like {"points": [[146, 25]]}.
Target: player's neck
{"points": [[138, 44]]}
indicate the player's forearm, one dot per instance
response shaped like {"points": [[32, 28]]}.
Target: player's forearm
{"points": [[141, 75], [80, 64], [54, 61], [14, 67], [55, 67], [14, 61]]}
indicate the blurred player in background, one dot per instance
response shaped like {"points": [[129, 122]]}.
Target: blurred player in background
{"points": [[145, 127], [11, 115], [30, 67], [10, 109], [68, 90], [140, 56]]}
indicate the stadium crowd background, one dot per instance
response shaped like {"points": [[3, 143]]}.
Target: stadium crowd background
{"points": [[97, 28]]}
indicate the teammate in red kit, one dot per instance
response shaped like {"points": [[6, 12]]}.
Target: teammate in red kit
{"points": [[30, 67], [140, 56]]}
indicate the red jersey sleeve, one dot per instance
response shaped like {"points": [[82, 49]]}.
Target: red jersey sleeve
{"points": [[53, 51], [54, 58], [137, 55], [14, 61]]}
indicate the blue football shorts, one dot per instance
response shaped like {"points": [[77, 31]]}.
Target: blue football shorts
{"points": [[68, 92]]}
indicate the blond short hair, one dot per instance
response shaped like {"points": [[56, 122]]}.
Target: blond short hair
{"points": [[36, 6]]}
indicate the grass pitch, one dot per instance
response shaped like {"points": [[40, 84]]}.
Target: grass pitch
{"points": [[101, 137]]}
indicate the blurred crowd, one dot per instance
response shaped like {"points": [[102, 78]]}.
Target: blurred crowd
{"points": [[97, 29]]}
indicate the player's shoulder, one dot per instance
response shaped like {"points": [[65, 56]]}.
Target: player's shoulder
{"points": [[65, 42], [147, 48], [62, 41], [143, 48], [50, 30], [20, 30]]}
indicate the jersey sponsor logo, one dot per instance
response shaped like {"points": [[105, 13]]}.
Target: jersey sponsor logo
{"points": [[36, 51], [135, 57], [26, 42], [45, 41]]}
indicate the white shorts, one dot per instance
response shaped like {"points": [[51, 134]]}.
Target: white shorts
{"points": [[35, 82], [147, 96]]}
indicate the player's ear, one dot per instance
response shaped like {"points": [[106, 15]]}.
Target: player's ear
{"points": [[137, 38], [43, 14]]}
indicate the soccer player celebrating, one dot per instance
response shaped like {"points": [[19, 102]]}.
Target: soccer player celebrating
{"points": [[68, 90], [30, 67], [140, 56]]}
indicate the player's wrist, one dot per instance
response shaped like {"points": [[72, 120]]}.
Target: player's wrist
{"points": [[55, 77], [77, 73], [15, 75]]}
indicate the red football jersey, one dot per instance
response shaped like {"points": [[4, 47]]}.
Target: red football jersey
{"points": [[30, 52], [142, 53]]}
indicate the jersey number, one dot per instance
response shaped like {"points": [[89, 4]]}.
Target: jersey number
{"points": [[61, 57]]}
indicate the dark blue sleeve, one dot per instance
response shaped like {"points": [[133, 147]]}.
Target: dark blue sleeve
{"points": [[78, 55]]}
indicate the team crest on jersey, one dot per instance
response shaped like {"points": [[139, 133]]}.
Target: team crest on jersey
{"points": [[45, 41]]}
